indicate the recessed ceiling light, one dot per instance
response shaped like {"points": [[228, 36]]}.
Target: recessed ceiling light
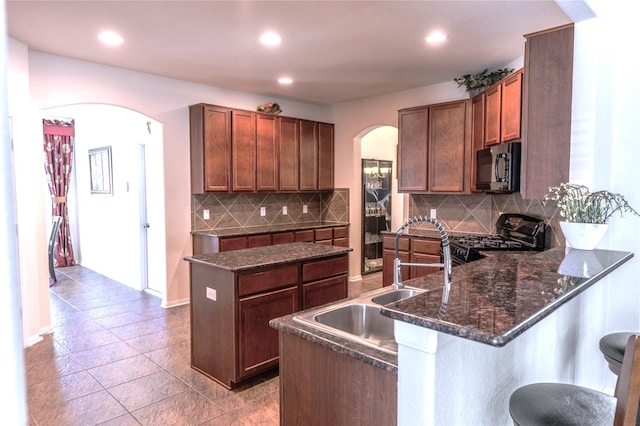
{"points": [[110, 38], [436, 37], [285, 80], [270, 39]]}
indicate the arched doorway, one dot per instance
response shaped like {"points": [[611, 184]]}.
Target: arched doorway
{"points": [[108, 230]]}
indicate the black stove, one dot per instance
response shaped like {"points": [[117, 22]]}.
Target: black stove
{"points": [[513, 232]]}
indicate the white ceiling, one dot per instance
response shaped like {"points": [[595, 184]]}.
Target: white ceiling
{"points": [[334, 50]]}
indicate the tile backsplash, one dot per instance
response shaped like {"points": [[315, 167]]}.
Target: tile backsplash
{"points": [[243, 210], [479, 213]]}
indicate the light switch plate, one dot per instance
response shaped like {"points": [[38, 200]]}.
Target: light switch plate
{"points": [[205, 214], [263, 211], [212, 294], [305, 209], [284, 210], [433, 213]]}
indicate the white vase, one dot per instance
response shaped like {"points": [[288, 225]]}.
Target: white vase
{"points": [[583, 236]]}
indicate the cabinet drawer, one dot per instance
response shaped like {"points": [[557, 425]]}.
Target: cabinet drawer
{"points": [[283, 238], [312, 271], [341, 242], [235, 243], [324, 234], [426, 246], [341, 232], [304, 236], [259, 240], [389, 242], [266, 280]]}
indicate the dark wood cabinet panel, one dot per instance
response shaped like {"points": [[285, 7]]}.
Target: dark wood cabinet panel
{"points": [[477, 133], [259, 240], [448, 147], [389, 255], [265, 280], [258, 342], [315, 270], [233, 243], [243, 151], [493, 99], [289, 154], [283, 238], [325, 156], [547, 103], [511, 107], [412, 149], [210, 139], [267, 152], [410, 249], [308, 155], [305, 236], [324, 291], [317, 387]]}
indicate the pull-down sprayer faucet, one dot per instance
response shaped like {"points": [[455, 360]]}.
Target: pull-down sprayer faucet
{"points": [[446, 251]]}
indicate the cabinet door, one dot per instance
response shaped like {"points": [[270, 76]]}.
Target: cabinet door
{"points": [[493, 98], [447, 147], [258, 342], [233, 243], [388, 257], [324, 291], [210, 129], [547, 101], [511, 107], [477, 133], [243, 149], [289, 154], [325, 156], [419, 271], [412, 149], [267, 141], [308, 155]]}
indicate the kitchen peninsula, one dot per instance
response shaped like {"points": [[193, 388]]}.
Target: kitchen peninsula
{"points": [[512, 318], [235, 293]]}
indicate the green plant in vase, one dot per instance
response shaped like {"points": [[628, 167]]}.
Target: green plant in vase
{"points": [[578, 205]]}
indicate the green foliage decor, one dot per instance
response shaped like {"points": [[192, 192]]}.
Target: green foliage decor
{"points": [[577, 204], [476, 82]]}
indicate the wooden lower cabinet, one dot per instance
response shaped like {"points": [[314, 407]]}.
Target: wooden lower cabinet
{"points": [[231, 340], [410, 249], [319, 386]]}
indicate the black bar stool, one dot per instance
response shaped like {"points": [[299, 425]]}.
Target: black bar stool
{"points": [[563, 404]]}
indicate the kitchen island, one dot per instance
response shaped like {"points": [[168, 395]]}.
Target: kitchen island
{"points": [[512, 318], [234, 294]]}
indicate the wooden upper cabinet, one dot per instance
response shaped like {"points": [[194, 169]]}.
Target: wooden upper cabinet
{"points": [[412, 149], [267, 151], [243, 150], [449, 145], [546, 106], [325, 156], [511, 112], [210, 134], [308, 155], [289, 154], [493, 99]]}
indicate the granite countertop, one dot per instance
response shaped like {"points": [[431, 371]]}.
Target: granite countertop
{"points": [[492, 300], [251, 258], [496, 299], [267, 229]]}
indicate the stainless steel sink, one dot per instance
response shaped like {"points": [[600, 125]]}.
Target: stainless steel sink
{"points": [[359, 319], [395, 295]]}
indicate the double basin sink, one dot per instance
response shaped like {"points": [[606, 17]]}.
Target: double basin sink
{"points": [[359, 319]]}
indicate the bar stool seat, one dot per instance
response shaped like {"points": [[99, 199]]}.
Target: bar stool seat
{"points": [[564, 404], [612, 347]]}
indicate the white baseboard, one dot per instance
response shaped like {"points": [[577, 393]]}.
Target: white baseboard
{"points": [[174, 303], [355, 278]]}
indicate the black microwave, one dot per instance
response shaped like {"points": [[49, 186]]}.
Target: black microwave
{"points": [[498, 168]]}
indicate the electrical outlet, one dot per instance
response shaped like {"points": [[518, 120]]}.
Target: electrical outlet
{"points": [[205, 214], [263, 211], [305, 209], [284, 210], [433, 213]]}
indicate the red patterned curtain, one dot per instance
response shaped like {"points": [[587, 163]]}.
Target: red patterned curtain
{"points": [[58, 150]]}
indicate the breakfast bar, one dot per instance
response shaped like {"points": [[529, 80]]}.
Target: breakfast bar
{"points": [[511, 318]]}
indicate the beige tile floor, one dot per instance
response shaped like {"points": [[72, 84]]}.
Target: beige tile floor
{"points": [[116, 357]]}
